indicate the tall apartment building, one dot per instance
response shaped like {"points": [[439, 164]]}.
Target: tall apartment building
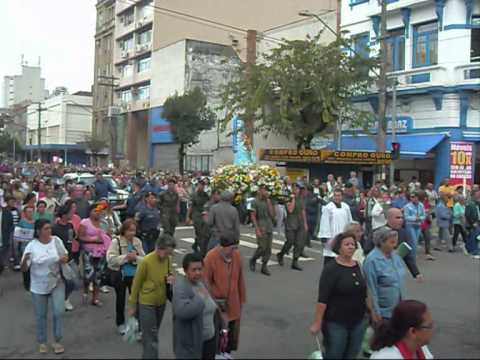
{"points": [[29, 86], [168, 46], [433, 50], [103, 96]]}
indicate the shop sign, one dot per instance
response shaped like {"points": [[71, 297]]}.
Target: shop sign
{"points": [[326, 156], [461, 162], [295, 174]]}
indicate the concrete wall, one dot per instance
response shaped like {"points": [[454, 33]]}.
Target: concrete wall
{"points": [[28, 86], [246, 14], [168, 76]]}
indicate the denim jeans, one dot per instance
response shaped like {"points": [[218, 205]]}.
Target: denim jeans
{"points": [[413, 232], [40, 305], [342, 342]]}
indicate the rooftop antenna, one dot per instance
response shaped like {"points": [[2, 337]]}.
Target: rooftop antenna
{"points": [[39, 60], [23, 59]]}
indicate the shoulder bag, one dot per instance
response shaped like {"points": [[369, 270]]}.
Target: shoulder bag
{"points": [[69, 271], [111, 277]]}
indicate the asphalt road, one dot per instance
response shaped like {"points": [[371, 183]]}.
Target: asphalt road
{"points": [[275, 320]]}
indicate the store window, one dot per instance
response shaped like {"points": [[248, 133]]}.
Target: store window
{"points": [[396, 50], [143, 65], [475, 41], [425, 44]]}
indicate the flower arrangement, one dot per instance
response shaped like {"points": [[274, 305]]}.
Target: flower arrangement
{"points": [[244, 180]]}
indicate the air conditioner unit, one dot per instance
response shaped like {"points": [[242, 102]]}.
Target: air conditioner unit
{"points": [[134, 91], [114, 111], [139, 48], [139, 24], [146, 104], [124, 54], [145, 18]]}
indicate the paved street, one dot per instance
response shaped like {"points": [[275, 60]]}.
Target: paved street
{"points": [[275, 319]]}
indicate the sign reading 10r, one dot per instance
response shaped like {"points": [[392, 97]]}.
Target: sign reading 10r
{"points": [[461, 158]]}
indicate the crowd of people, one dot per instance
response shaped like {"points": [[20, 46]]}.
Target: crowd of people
{"points": [[370, 236]]}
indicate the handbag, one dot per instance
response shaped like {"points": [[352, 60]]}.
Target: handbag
{"points": [[222, 303], [169, 287], [109, 277], [26, 280], [318, 353], [69, 271]]}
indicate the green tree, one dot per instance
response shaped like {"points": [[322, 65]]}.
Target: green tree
{"points": [[6, 144], [188, 116], [95, 143], [300, 88]]}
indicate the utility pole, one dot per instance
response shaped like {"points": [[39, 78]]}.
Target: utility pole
{"points": [[110, 83], [39, 131], [382, 83], [251, 61], [394, 127]]}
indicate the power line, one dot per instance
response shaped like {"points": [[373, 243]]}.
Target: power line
{"points": [[201, 20]]}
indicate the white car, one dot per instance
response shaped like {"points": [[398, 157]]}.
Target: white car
{"points": [[88, 179]]}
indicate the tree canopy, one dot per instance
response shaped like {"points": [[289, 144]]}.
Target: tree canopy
{"points": [[188, 116], [300, 88]]}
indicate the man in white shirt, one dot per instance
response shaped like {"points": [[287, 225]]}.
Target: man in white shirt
{"points": [[378, 212], [336, 216]]}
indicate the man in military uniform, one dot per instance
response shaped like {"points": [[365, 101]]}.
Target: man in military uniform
{"points": [[148, 219], [169, 204], [295, 228], [262, 218], [198, 201]]}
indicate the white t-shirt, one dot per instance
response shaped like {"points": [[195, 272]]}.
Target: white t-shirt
{"points": [[44, 264], [393, 353]]}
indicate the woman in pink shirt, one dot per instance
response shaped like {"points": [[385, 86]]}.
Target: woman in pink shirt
{"points": [[93, 240]]}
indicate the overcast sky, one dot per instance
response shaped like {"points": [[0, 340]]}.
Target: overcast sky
{"points": [[61, 32]]}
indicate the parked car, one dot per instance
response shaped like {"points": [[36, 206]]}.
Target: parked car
{"points": [[88, 179]]}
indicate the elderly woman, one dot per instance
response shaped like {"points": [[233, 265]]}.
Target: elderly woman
{"points": [[342, 304], [193, 313], [223, 275], [406, 335], [458, 221], [149, 292], [123, 255], [385, 274], [43, 256]]}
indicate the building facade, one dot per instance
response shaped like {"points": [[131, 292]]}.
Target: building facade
{"points": [[64, 123], [433, 51], [29, 86], [151, 60], [103, 94]]}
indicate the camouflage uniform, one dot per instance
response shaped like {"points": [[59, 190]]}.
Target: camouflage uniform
{"points": [[265, 223], [168, 202], [202, 233]]}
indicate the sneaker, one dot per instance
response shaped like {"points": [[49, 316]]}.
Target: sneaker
{"points": [[476, 257], [138, 336], [68, 305], [429, 257], [122, 329], [17, 267], [58, 348], [105, 289], [464, 249], [43, 348]]}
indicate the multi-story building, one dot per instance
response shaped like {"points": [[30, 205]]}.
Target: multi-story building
{"points": [[168, 46], [29, 86], [103, 95], [433, 50], [65, 124]]}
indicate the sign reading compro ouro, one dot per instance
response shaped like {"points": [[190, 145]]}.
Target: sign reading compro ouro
{"points": [[326, 156], [461, 162]]}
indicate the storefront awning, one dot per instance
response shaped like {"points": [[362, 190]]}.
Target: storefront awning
{"points": [[411, 145]]}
